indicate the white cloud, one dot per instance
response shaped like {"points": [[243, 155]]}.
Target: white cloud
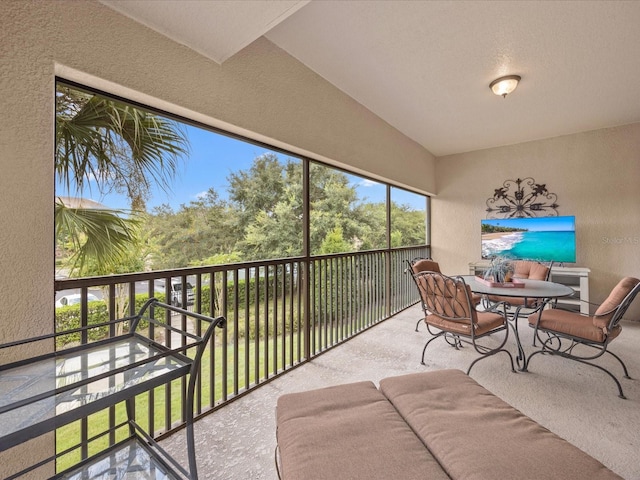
{"points": [[368, 183]]}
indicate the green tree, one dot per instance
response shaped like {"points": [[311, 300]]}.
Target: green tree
{"points": [[204, 228], [262, 219], [334, 242], [373, 221], [276, 228], [257, 190], [333, 205], [407, 225], [410, 225]]}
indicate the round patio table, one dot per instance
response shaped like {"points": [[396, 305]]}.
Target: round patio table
{"points": [[538, 289]]}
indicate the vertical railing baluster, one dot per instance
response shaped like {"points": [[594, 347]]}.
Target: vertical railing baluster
{"points": [[267, 277], [322, 301], [167, 334], [375, 281], [245, 295], [151, 393], [183, 342], [283, 320], [365, 292], [198, 330], [344, 262], [236, 336], [371, 290], [290, 297], [337, 295], [351, 276], [304, 317], [247, 328], [256, 328], [328, 295], [225, 333], [112, 380], [276, 297], [213, 349], [84, 321], [312, 307]]}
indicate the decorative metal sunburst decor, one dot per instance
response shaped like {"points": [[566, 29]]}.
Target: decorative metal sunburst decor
{"points": [[522, 198]]}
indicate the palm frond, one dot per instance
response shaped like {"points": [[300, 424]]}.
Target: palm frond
{"points": [[90, 133], [100, 234]]}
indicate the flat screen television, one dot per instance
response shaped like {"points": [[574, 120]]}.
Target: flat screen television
{"points": [[544, 239]]}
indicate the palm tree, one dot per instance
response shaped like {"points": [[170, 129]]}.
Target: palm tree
{"points": [[118, 146]]}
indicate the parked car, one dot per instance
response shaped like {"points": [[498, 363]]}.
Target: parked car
{"points": [[176, 293], [74, 299]]}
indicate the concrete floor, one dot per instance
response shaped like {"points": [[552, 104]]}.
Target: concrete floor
{"points": [[575, 401]]}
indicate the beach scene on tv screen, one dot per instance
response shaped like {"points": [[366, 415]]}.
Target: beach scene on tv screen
{"points": [[544, 239]]}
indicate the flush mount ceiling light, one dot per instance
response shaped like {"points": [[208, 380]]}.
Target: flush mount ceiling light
{"points": [[504, 85]]}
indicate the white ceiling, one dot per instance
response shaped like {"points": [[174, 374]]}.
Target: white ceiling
{"points": [[217, 29], [425, 66]]}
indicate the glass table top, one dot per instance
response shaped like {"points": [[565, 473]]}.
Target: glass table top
{"points": [[128, 462], [531, 289], [46, 377]]}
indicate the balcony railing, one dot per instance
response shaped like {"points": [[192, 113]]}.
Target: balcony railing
{"points": [[280, 313]]}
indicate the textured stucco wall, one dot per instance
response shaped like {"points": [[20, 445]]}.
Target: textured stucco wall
{"points": [[595, 175], [261, 90]]}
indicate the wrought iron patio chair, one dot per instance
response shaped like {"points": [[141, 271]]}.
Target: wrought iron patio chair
{"points": [[584, 338], [421, 264], [451, 313], [522, 269], [425, 264]]}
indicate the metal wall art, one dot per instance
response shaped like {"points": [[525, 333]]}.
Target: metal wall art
{"points": [[522, 198]]}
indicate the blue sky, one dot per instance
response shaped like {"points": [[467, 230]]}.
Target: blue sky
{"points": [[211, 159], [537, 224]]}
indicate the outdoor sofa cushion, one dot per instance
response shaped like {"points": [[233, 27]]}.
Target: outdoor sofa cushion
{"points": [[475, 435], [348, 431], [444, 425]]}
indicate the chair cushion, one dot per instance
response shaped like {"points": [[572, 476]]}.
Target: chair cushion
{"points": [[605, 311], [528, 269], [425, 265], [572, 324], [444, 296], [348, 431], [486, 321], [524, 269], [461, 327]]}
